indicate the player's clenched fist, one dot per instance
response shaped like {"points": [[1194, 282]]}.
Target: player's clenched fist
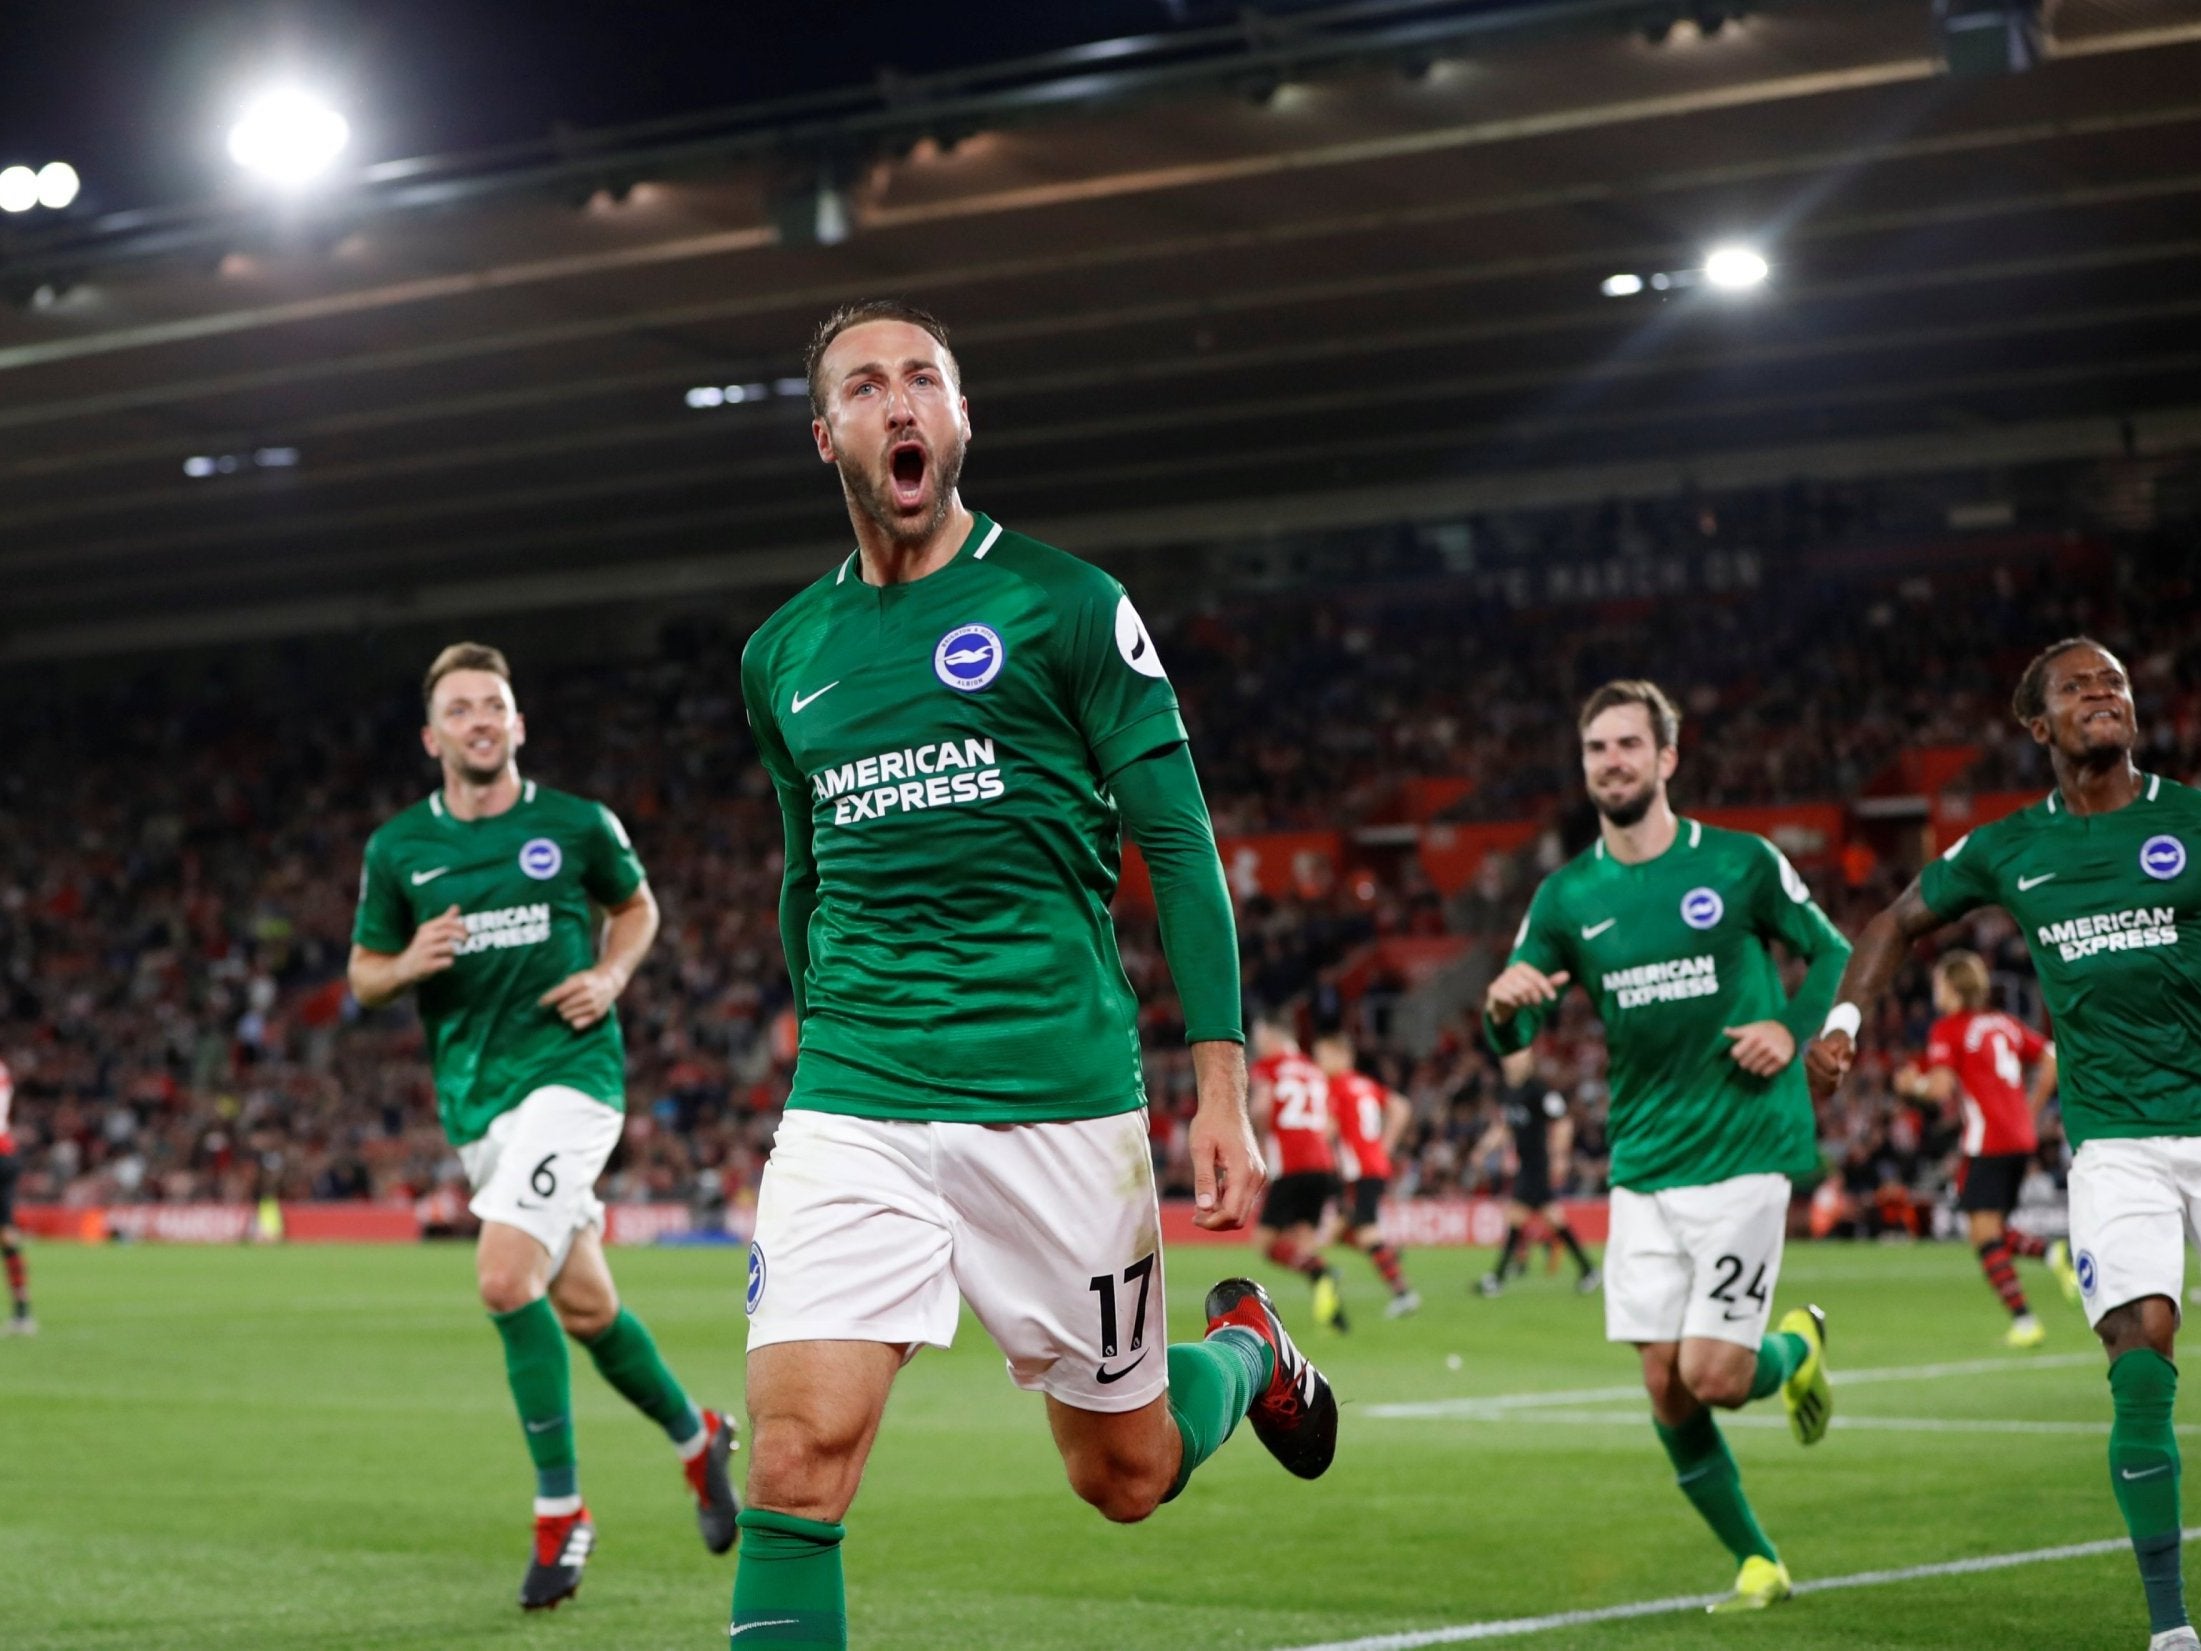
{"points": [[1763, 1048], [1827, 1061], [582, 999], [1521, 986], [433, 948]]}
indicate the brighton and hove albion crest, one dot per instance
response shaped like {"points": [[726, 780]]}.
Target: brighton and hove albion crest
{"points": [[1703, 908], [756, 1278], [969, 657], [2162, 858], [541, 858]]}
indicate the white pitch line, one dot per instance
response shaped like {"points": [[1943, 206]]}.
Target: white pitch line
{"points": [[1518, 1627], [1474, 1408], [1752, 1419]]}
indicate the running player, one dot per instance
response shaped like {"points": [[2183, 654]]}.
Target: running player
{"points": [[1976, 1056], [2103, 879], [482, 896], [1291, 1107], [1664, 921], [19, 1321], [1535, 1115], [961, 723], [1370, 1120]]}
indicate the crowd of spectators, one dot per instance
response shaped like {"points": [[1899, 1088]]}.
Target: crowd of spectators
{"points": [[179, 854]]}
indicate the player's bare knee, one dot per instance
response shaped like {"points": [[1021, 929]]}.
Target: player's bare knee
{"points": [[506, 1289], [2151, 1322], [1121, 1489], [1722, 1388], [586, 1319], [799, 1467]]}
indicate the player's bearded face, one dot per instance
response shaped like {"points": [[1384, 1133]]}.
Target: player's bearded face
{"points": [[905, 482], [1622, 764]]}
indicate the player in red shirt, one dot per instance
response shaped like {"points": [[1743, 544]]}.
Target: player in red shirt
{"points": [[19, 1321], [1369, 1120], [1291, 1107], [1977, 1056]]}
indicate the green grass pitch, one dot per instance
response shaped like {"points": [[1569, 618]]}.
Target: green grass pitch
{"points": [[245, 1450]]}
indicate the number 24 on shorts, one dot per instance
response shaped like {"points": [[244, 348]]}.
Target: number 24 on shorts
{"points": [[1729, 1269]]}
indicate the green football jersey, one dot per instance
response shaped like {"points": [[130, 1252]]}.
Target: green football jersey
{"points": [[1672, 951], [2111, 909], [950, 741], [523, 881]]}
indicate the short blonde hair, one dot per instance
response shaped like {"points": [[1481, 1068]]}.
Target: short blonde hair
{"points": [[1966, 973], [463, 656]]}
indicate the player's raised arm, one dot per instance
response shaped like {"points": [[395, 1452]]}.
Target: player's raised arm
{"points": [[1879, 953]]}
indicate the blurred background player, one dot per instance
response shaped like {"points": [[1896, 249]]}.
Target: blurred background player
{"points": [[1535, 1116], [1665, 922], [2103, 878], [1370, 1119], [484, 897], [1977, 1056], [1290, 1102], [19, 1321]]}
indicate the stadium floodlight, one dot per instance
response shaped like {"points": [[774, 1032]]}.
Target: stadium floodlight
{"points": [[706, 395], [288, 137], [1735, 268], [57, 184], [18, 189], [1621, 286]]}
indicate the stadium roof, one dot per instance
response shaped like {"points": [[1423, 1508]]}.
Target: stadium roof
{"points": [[1310, 279]]}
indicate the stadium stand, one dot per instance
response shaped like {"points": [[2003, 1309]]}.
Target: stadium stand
{"points": [[173, 925]]}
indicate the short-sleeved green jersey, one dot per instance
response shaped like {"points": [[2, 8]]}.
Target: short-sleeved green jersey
{"points": [[523, 881], [950, 741], [2111, 908], [1672, 951]]}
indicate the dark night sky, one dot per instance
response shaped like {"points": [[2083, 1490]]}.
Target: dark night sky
{"points": [[137, 94]]}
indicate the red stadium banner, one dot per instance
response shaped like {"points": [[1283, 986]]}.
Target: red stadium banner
{"points": [[1811, 834], [645, 1223], [342, 1223], [1423, 797], [1452, 855], [1416, 1223], [1957, 812]]}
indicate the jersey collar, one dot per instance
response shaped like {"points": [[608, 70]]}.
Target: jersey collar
{"points": [[985, 531], [2147, 795], [1695, 835], [435, 805]]}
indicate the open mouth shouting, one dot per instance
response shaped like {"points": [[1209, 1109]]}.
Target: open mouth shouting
{"points": [[908, 463]]}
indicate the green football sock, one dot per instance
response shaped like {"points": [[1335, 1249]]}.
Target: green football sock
{"points": [[628, 1358], [1778, 1356], [787, 1582], [1706, 1472], [542, 1391], [2144, 1472], [1212, 1384]]}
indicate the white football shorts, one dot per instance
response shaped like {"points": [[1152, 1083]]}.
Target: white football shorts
{"points": [[2132, 1204], [870, 1230], [536, 1169], [1695, 1261]]}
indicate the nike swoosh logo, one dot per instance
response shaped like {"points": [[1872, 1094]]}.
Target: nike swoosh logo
{"points": [[2025, 883], [1593, 933], [420, 877], [1104, 1375], [800, 700], [2146, 1473], [545, 1427], [740, 1628]]}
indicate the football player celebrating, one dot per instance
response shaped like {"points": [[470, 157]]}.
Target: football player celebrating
{"points": [[2102, 878], [1664, 922]]}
